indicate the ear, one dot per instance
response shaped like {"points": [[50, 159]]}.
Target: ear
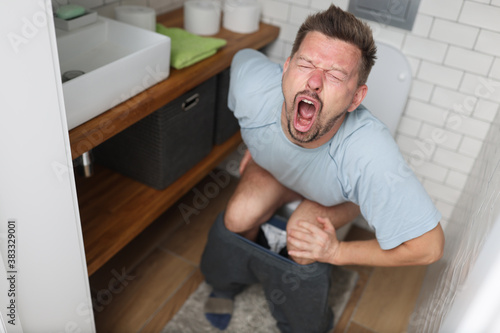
{"points": [[286, 64], [359, 96]]}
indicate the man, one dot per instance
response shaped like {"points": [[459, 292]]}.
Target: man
{"points": [[310, 138]]}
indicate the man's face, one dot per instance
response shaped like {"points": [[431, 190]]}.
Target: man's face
{"points": [[320, 87]]}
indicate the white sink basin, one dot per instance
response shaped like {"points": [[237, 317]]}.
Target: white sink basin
{"points": [[118, 60]]}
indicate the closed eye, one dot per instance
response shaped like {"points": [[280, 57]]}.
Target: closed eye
{"points": [[333, 77], [305, 67], [336, 76]]}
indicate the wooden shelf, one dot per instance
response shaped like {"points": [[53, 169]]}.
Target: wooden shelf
{"points": [[114, 209]]}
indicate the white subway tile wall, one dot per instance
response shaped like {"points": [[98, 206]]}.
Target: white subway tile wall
{"points": [[480, 15], [488, 42], [468, 60], [454, 53], [486, 110], [421, 90], [441, 137], [409, 126], [426, 112], [442, 192], [447, 9], [424, 48], [394, 37], [276, 10], [456, 179], [470, 147], [422, 25], [445, 97], [454, 33]]}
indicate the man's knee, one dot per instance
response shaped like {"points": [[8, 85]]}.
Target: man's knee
{"points": [[235, 219], [243, 213], [255, 200]]}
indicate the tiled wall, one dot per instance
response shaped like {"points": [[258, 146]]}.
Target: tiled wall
{"points": [[454, 51]]}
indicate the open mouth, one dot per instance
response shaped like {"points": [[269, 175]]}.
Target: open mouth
{"points": [[306, 110]]}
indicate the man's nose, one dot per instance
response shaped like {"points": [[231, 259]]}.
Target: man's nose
{"points": [[315, 81]]}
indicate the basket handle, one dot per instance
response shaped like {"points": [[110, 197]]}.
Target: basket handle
{"points": [[191, 102]]}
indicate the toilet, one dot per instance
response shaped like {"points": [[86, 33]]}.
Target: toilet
{"points": [[388, 89], [388, 86]]}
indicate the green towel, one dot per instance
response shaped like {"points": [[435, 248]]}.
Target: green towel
{"points": [[187, 48]]}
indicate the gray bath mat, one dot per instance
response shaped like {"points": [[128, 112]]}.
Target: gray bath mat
{"points": [[251, 312]]}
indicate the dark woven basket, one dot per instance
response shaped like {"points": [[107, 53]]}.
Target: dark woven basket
{"points": [[166, 144], [225, 122]]}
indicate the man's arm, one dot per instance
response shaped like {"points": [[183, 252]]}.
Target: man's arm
{"points": [[319, 243]]}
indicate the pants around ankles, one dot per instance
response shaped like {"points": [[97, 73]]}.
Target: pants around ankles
{"points": [[297, 294]]}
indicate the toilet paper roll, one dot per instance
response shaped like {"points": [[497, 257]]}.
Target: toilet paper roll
{"points": [[140, 16], [202, 17], [241, 16]]}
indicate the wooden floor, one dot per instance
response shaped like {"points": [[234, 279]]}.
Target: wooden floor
{"points": [[143, 286]]}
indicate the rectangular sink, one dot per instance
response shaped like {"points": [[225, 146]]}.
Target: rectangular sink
{"points": [[117, 60]]}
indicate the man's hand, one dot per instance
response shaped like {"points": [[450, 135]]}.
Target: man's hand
{"points": [[313, 242]]}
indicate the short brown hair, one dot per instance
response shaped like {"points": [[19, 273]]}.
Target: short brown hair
{"points": [[336, 23]]}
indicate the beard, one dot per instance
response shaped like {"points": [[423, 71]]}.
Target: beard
{"points": [[319, 128]]}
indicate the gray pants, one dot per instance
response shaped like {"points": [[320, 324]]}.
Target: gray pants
{"points": [[297, 294]]}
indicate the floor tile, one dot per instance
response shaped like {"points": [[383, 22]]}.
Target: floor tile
{"points": [[170, 308], [389, 298], [355, 328], [136, 251], [127, 307]]}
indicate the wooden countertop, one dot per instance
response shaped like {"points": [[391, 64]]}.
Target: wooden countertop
{"points": [[115, 120], [114, 209]]}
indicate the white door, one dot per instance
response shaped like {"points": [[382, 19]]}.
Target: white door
{"points": [[45, 284]]}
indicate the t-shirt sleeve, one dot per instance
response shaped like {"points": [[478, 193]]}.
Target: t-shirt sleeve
{"points": [[391, 198], [253, 79]]}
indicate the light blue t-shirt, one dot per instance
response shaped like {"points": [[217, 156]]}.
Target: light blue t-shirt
{"points": [[361, 163]]}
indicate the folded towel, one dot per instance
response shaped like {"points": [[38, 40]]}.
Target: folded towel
{"points": [[186, 48]]}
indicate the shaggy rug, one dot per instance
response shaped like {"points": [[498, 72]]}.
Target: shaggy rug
{"points": [[251, 313]]}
